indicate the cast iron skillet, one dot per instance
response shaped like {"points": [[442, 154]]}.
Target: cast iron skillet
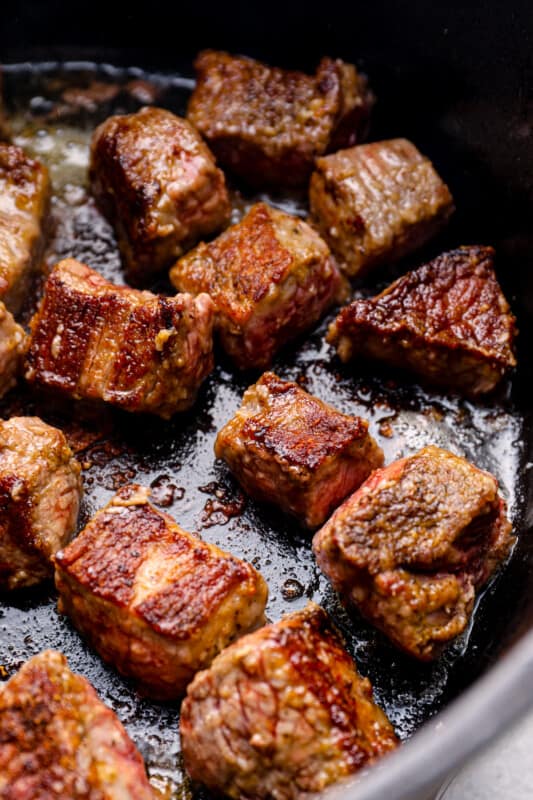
{"points": [[458, 83]]}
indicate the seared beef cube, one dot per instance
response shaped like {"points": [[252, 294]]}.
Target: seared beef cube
{"points": [[12, 344], [271, 277], [159, 185], [58, 740], [288, 448], [266, 124], [447, 321], [376, 203], [40, 492], [24, 202], [281, 713], [413, 544], [94, 340], [153, 600]]}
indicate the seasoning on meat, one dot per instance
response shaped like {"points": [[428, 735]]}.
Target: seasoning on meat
{"points": [[281, 713], [155, 601], [376, 203], [40, 493], [447, 321], [267, 124], [24, 203], [58, 740], [158, 183], [143, 352], [12, 344], [271, 277], [288, 448], [413, 544]]}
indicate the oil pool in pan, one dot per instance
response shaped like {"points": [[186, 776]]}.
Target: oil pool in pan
{"points": [[52, 119]]}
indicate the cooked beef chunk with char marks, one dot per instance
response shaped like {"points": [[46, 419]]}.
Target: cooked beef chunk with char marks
{"points": [[142, 352], [12, 347], [375, 203], [158, 183], [267, 124], [58, 740], [271, 277], [153, 600], [447, 321], [282, 713], [413, 544], [40, 493]]}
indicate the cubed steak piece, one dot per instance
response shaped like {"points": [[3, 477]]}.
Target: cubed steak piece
{"points": [[376, 203], [153, 600], [58, 741], [267, 124], [158, 183], [12, 345], [282, 713], [288, 448], [24, 203], [447, 321], [271, 277], [40, 493], [93, 340], [410, 548]]}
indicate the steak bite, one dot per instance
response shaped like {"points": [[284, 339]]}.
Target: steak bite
{"points": [[271, 277], [281, 713], [24, 203], [267, 124], [413, 544], [288, 448], [142, 352], [58, 740], [158, 183], [12, 344], [40, 493], [447, 321], [376, 203], [153, 600]]}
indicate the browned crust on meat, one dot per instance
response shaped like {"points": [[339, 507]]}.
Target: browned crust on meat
{"points": [[268, 124], [447, 320], [12, 346], [413, 544], [58, 740]]}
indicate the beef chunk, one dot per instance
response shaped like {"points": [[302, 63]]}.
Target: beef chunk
{"points": [[40, 492], [58, 741], [267, 124], [281, 713], [376, 203], [142, 352], [288, 448], [413, 544], [271, 277], [159, 185], [152, 599], [12, 344], [24, 202], [447, 320]]}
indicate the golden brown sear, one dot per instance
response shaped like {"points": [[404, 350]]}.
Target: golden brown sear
{"points": [[375, 203], [271, 277], [267, 124], [282, 713], [153, 600], [24, 203], [40, 494], [58, 741], [12, 346], [447, 321], [288, 448], [142, 352], [158, 183], [410, 548]]}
